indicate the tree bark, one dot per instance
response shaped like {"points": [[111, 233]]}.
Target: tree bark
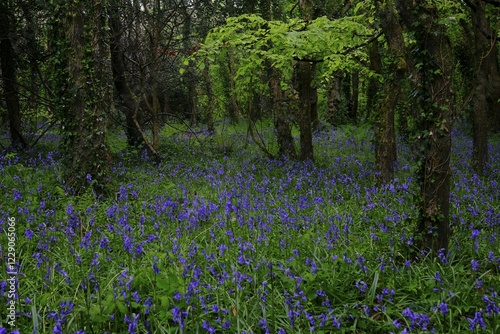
{"points": [[385, 134], [434, 122], [9, 78], [315, 123], [84, 120], [334, 98], [373, 83], [209, 111], [485, 63], [234, 109], [304, 75], [189, 75], [124, 96], [353, 113], [282, 122]]}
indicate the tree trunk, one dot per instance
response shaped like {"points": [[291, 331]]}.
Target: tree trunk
{"points": [[234, 109], [304, 75], [484, 68], [155, 112], [189, 75], [314, 103], [282, 122], [209, 111], [84, 121], [124, 96], [433, 132], [373, 83], [353, 113], [9, 78], [385, 134], [346, 91], [334, 98]]}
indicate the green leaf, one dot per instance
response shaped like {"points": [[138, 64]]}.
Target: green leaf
{"points": [[165, 302], [122, 308]]}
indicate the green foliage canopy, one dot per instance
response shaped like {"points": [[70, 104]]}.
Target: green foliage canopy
{"points": [[258, 43]]}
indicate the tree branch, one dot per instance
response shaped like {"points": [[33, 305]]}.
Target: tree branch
{"points": [[293, 8], [489, 36], [344, 52]]}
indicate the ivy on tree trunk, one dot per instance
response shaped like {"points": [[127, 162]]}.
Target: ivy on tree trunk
{"points": [[433, 59], [84, 116]]}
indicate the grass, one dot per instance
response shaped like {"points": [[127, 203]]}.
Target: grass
{"points": [[222, 240]]}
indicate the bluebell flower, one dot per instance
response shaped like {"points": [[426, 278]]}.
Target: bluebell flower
{"points": [[474, 265], [442, 256], [28, 233], [437, 276], [206, 325], [443, 307], [132, 323], [263, 323], [17, 195], [362, 286], [155, 266], [136, 297], [477, 320], [491, 307], [148, 304]]}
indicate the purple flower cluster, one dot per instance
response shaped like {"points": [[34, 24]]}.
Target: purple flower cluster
{"points": [[289, 246]]}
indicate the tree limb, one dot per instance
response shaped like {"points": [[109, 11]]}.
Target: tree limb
{"points": [[344, 52], [149, 147]]}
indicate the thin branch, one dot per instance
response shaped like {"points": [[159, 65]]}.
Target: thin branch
{"points": [[150, 148], [493, 38], [293, 8], [51, 124], [344, 52]]}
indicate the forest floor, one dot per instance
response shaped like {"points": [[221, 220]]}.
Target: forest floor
{"points": [[220, 239]]}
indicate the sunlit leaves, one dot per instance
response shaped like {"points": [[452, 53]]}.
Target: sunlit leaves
{"points": [[257, 42]]}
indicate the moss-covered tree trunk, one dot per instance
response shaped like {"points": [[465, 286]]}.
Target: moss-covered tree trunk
{"points": [[84, 118], [389, 95], [433, 59], [281, 119], [334, 98]]}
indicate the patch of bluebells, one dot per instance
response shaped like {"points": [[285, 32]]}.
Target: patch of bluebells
{"points": [[417, 320], [254, 215]]}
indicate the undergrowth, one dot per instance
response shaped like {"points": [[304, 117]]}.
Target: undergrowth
{"points": [[218, 238]]}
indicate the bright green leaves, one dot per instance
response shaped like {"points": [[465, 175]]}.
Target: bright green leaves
{"points": [[256, 42]]}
